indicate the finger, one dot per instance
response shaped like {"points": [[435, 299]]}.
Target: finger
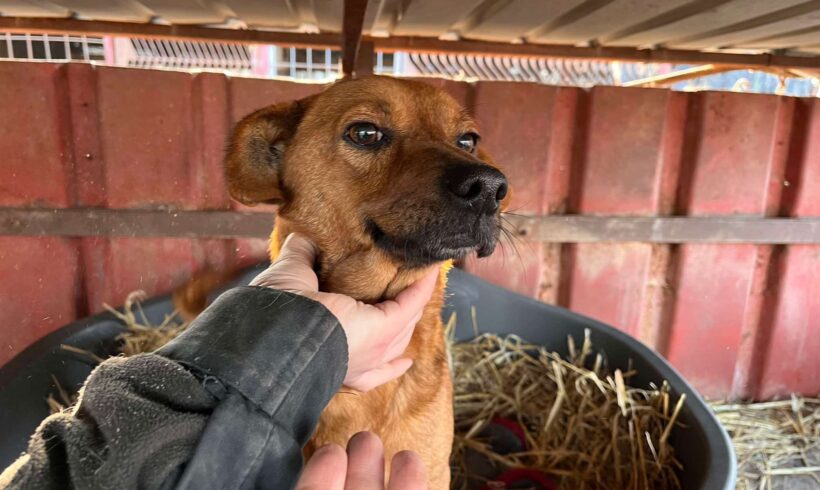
{"points": [[293, 269], [407, 472], [365, 462], [383, 374], [402, 340], [410, 301], [326, 469], [299, 249]]}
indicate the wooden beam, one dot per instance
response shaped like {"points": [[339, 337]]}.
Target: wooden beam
{"points": [[679, 76], [134, 223], [415, 44], [716, 229], [352, 24], [429, 45], [553, 229]]}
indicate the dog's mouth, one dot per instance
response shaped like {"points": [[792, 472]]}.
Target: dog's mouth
{"points": [[436, 244]]}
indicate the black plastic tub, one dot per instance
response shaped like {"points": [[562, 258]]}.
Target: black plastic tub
{"points": [[703, 447]]}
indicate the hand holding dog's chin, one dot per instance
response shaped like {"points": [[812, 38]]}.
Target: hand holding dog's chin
{"points": [[377, 335]]}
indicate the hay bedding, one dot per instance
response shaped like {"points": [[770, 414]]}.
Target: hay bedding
{"points": [[584, 426], [777, 443]]}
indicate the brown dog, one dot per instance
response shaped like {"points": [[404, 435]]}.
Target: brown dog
{"points": [[386, 177]]}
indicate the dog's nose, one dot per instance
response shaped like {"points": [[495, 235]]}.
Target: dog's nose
{"points": [[478, 187]]}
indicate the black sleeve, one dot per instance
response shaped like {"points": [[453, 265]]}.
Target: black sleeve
{"points": [[228, 404]]}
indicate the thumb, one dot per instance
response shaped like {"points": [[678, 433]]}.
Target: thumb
{"points": [[381, 375], [297, 249], [293, 269]]}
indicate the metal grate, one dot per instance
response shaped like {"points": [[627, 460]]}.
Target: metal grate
{"points": [[154, 53], [51, 47], [552, 71]]}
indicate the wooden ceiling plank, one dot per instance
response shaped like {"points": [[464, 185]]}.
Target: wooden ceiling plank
{"points": [[485, 11], [428, 45], [385, 16], [328, 14], [788, 39], [713, 18], [542, 32], [265, 13], [432, 18], [184, 11], [739, 37], [609, 18], [34, 9], [519, 17], [671, 16], [720, 35], [122, 11]]}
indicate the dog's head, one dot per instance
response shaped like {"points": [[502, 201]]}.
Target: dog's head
{"points": [[374, 163]]}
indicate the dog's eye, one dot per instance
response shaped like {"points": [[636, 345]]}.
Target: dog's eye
{"points": [[364, 134], [467, 142]]}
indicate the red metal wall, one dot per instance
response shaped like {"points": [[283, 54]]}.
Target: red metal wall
{"points": [[737, 320]]}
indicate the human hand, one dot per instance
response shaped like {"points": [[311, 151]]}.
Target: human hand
{"points": [[376, 334], [362, 467]]}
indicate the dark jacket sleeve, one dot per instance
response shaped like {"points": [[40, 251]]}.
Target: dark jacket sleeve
{"points": [[228, 404]]}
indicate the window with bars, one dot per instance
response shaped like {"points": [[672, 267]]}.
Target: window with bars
{"points": [[51, 47]]}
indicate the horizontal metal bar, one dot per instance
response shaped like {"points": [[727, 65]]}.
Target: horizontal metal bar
{"points": [[134, 223], [712, 229], [558, 229], [400, 43]]}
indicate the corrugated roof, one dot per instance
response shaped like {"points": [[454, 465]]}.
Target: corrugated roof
{"points": [[760, 25]]}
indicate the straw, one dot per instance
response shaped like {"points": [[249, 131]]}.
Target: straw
{"points": [[585, 427], [777, 443]]}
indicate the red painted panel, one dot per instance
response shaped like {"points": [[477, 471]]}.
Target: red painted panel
{"points": [[620, 174], [741, 318], [37, 293], [518, 271], [608, 281], [712, 289], [521, 150], [146, 118], [730, 148], [727, 169], [250, 94], [35, 169], [792, 363], [622, 151], [211, 125], [153, 265], [462, 92]]}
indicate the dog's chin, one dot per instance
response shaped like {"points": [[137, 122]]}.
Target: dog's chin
{"points": [[424, 249]]}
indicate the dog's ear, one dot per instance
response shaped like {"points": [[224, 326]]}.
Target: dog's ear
{"points": [[253, 162], [488, 159]]}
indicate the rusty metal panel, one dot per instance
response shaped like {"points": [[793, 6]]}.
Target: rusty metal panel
{"points": [[733, 164], [40, 275], [736, 318], [522, 151], [622, 168], [33, 130], [790, 359]]}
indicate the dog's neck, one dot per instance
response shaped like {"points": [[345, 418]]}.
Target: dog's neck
{"points": [[363, 274]]}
